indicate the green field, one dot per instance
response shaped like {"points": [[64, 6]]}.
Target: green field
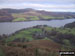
{"points": [[19, 19], [51, 17], [23, 17], [1, 52], [46, 33]]}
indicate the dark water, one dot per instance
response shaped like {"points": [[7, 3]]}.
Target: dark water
{"points": [[11, 27]]}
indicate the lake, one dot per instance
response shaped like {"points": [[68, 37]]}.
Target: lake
{"points": [[11, 27]]}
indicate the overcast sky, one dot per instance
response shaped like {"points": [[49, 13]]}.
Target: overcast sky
{"points": [[48, 5]]}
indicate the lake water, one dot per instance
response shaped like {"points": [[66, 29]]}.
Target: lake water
{"points": [[11, 27]]}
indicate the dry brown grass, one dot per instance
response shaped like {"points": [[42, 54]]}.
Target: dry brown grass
{"points": [[33, 48]]}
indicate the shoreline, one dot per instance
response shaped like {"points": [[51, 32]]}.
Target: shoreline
{"points": [[37, 20]]}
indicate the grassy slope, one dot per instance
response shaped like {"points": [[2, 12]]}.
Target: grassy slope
{"points": [[34, 48], [67, 30], [51, 17], [1, 52], [24, 34], [34, 18], [28, 34], [17, 17], [46, 46]]}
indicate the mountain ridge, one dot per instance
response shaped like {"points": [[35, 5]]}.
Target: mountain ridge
{"points": [[32, 14]]}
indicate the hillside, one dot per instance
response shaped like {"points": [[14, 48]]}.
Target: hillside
{"points": [[34, 48], [64, 36], [32, 14], [38, 41], [5, 16], [70, 25]]}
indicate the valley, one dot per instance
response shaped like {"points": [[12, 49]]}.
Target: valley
{"points": [[30, 32]]}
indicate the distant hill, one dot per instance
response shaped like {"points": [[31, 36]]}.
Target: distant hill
{"points": [[28, 14], [5, 16]]}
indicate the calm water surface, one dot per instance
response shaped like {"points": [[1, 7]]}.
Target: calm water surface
{"points": [[11, 27]]}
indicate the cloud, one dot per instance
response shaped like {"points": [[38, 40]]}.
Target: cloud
{"points": [[53, 5], [48, 7], [35, 5], [49, 1]]}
